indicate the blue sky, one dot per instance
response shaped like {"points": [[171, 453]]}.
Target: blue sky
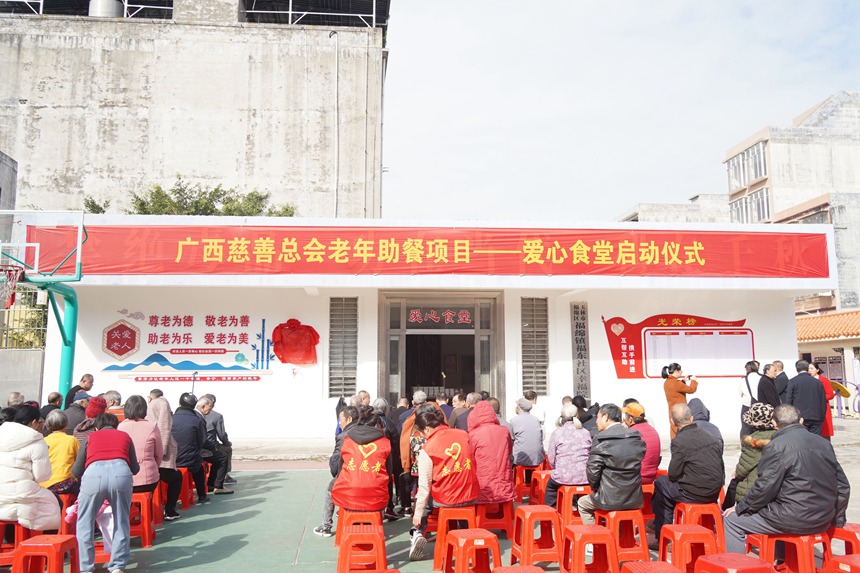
{"points": [[568, 111]]}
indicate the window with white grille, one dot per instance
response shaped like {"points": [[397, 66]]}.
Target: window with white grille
{"points": [[535, 344], [343, 346], [752, 208]]}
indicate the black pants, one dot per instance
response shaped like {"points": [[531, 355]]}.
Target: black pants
{"points": [[667, 494], [814, 426], [173, 479], [219, 461]]}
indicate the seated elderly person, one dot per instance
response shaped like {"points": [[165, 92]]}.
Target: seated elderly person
{"points": [[77, 411], [211, 453], [528, 436], [781, 500], [696, 469], [62, 451], [24, 462], [97, 405], [569, 448]]}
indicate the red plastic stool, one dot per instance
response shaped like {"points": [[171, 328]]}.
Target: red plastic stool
{"points": [[537, 490], [445, 516], [186, 493], [850, 535], [347, 518], [157, 504], [7, 550], [46, 552], [547, 547], [522, 485], [689, 542], [647, 494], [68, 500], [470, 551], [842, 564], [519, 569], [566, 503], [362, 548], [649, 567], [576, 537], [142, 520], [100, 556], [625, 526], [799, 550], [731, 563], [496, 516], [708, 515]]}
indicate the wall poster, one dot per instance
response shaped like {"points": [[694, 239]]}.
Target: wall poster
{"points": [[705, 347]]}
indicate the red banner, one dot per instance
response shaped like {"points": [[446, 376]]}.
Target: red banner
{"points": [[136, 250]]}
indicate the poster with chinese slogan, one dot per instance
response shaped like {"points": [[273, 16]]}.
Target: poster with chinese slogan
{"points": [[153, 347], [705, 347]]}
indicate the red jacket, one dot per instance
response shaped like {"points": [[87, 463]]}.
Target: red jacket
{"points": [[651, 461], [362, 483], [492, 446], [454, 480], [829, 394]]}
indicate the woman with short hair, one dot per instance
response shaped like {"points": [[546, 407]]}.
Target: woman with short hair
{"points": [[147, 443], [62, 450]]}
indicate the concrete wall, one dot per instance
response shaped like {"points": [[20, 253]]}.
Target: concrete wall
{"points": [[21, 372], [705, 208], [104, 107], [845, 215], [8, 181], [806, 163]]}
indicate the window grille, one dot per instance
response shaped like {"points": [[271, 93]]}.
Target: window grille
{"points": [[25, 323], [343, 346], [535, 344]]}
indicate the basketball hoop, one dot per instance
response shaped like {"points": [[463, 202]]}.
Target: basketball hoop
{"points": [[12, 274]]}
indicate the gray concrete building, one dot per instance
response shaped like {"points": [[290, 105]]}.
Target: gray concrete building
{"points": [[283, 97], [702, 208], [808, 172], [8, 181]]}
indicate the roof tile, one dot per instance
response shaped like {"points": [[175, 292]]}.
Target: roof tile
{"points": [[829, 326]]}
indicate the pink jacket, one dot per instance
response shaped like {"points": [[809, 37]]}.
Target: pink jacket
{"points": [[147, 445], [159, 413]]}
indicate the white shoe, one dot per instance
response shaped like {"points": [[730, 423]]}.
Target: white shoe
{"points": [[416, 548], [589, 550]]}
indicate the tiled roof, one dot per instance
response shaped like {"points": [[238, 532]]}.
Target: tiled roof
{"points": [[829, 326]]}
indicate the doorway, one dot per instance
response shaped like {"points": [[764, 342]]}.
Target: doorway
{"points": [[441, 342], [442, 362]]}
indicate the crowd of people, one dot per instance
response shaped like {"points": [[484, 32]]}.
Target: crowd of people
{"points": [[102, 450], [429, 452]]}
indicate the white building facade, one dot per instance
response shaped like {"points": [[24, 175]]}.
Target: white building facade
{"points": [[279, 317]]}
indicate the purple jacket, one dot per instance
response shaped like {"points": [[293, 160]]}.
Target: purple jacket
{"points": [[568, 453]]}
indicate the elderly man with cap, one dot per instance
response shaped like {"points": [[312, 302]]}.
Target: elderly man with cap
{"points": [[77, 411], [189, 431], [528, 436], [634, 418]]}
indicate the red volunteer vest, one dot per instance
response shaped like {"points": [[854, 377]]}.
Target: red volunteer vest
{"points": [[363, 480], [454, 478]]}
